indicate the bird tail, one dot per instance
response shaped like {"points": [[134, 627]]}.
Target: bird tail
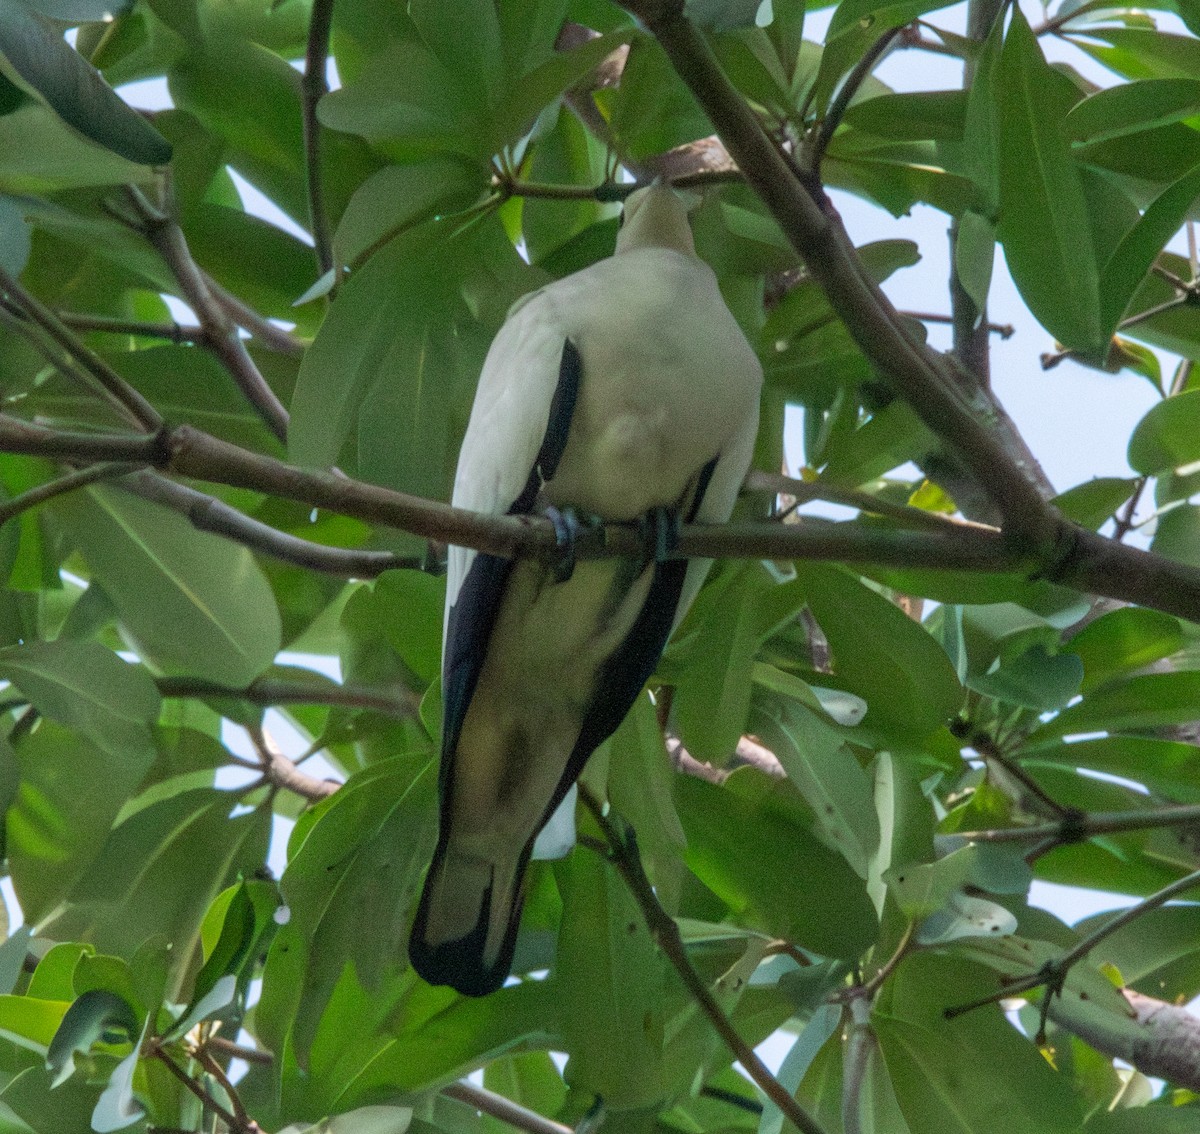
{"points": [[466, 925]]}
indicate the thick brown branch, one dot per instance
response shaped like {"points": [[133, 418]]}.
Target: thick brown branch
{"points": [[1093, 564], [964, 418]]}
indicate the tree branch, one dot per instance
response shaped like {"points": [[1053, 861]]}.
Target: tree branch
{"points": [[64, 484], [488, 1102], [1076, 827], [273, 691], [968, 423], [666, 933], [209, 514], [119, 392], [313, 86], [267, 333], [173, 332], [220, 331], [1091, 562]]}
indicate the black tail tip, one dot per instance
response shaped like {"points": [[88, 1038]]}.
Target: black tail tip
{"points": [[458, 963]]}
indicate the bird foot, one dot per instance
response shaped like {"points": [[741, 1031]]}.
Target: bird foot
{"points": [[659, 531], [567, 528]]}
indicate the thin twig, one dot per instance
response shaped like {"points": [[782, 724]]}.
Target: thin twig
{"points": [[32, 497], [119, 392], [280, 772], [803, 491], [488, 1102], [313, 87], [846, 92], [1054, 973], [230, 1119], [173, 332], [271, 336], [207, 513], [1123, 521], [1004, 330], [663, 929], [274, 691], [166, 235], [1075, 828]]}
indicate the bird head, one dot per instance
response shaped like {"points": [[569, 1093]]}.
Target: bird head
{"points": [[655, 217]]}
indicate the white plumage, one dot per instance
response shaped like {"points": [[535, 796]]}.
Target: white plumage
{"points": [[623, 389]]}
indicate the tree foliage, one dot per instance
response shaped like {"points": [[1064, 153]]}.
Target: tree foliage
{"points": [[883, 729]]}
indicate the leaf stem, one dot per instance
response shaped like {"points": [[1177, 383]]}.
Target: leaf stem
{"points": [[664, 930], [32, 497]]}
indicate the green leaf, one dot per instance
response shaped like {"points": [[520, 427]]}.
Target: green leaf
{"points": [[924, 888], [88, 688], [1035, 679], [34, 55], [1177, 535], [1145, 1120], [941, 1087], [95, 1016], [190, 602], [816, 1033], [1043, 215], [116, 1107], [974, 255], [55, 831], [1143, 53], [1135, 255], [1153, 700], [608, 978], [190, 835], [31, 1023], [398, 197], [15, 236], [1168, 436], [829, 777], [1095, 501], [40, 153], [882, 655], [764, 862], [1124, 640], [1158, 954], [712, 696], [1129, 108]]}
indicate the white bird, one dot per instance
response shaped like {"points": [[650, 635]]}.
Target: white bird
{"points": [[626, 392]]}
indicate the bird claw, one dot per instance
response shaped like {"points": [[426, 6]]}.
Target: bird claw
{"points": [[567, 527], [659, 531]]}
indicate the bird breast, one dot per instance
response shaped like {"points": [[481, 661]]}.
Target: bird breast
{"points": [[667, 379]]}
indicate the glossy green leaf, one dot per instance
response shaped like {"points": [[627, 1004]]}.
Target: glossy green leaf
{"points": [[36, 57], [743, 852], [712, 697], [131, 890], [1135, 255], [96, 1015], [190, 602], [55, 831], [399, 196], [1143, 53], [1123, 640], [1034, 679], [609, 979], [1132, 108], [827, 774], [1168, 436], [88, 688], [31, 1023], [974, 255], [879, 653], [1153, 700], [1095, 501], [1146, 1120], [817, 1032], [1042, 208]]}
